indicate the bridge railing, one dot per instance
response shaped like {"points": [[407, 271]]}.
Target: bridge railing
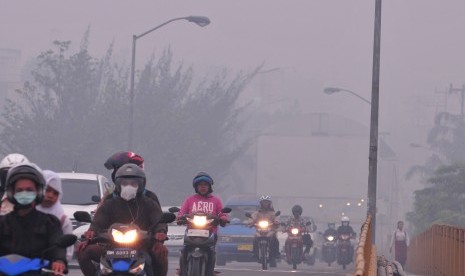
{"points": [[438, 251], [365, 254]]}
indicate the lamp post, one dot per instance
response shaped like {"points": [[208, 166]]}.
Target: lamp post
{"points": [[202, 21], [332, 90]]}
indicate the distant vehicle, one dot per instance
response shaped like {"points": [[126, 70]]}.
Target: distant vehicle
{"points": [[175, 236], [83, 192], [235, 241]]}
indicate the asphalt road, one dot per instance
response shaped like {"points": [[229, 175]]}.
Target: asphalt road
{"points": [[245, 269]]}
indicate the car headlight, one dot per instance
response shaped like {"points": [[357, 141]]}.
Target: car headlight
{"points": [[225, 239], [264, 224], [137, 269], [128, 237], [200, 221], [330, 238], [105, 270], [295, 231]]}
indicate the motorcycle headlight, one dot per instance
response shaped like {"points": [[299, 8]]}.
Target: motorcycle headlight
{"points": [[105, 270], [137, 269], [295, 231], [200, 221], [128, 237], [330, 238], [263, 224]]}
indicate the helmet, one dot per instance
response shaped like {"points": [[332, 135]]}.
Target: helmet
{"points": [[203, 177], [9, 161], [130, 171], [25, 171], [120, 158], [297, 209], [265, 197], [332, 225], [345, 219]]}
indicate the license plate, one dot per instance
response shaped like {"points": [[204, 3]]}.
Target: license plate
{"points": [[123, 254], [198, 233], [245, 247]]}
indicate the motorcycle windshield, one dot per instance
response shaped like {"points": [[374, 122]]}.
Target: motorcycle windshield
{"points": [[16, 264]]}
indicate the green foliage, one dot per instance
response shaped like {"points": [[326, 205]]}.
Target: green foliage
{"points": [[75, 112]]}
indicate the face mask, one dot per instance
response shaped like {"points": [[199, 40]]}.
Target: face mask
{"points": [[128, 192], [25, 198]]}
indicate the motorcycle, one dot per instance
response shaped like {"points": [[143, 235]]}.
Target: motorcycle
{"points": [[125, 254], [294, 245], [14, 264], [345, 250], [263, 237], [329, 249], [198, 241]]}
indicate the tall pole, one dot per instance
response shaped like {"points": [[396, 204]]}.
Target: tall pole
{"points": [[131, 93], [373, 155]]}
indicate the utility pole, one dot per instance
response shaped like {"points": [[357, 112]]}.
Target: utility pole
{"points": [[373, 155], [462, 94]]}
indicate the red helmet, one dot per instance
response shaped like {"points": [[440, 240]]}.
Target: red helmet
{"points": [[121, 158]]}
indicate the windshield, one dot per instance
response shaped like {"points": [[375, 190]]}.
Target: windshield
{"points": [[79, 191], [238, 211]]}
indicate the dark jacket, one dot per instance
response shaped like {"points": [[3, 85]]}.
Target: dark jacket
{"points": [[30, 235], [347, 230], [142, 211], [330, 232], [161, 227]]}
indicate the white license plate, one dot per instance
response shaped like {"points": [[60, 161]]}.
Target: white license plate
{"points": [[198, 233]]}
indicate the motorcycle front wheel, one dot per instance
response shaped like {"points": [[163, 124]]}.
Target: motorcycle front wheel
{"points": [[264, 256]]}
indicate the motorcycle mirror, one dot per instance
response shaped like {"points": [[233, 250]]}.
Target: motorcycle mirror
{"points": [[167, 218], [248, 215], [226, 210], [82, 216], [174, 210], [278, 213], [66, 240], [95, 198]]}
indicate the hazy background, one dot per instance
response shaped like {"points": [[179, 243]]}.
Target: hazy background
{"points": [[313, 43]]}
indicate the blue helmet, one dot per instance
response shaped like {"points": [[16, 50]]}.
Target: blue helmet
{"points": [[203, 177]]}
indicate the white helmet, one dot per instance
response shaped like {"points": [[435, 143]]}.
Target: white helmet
{"points": [[345, 219], [265, 197], [9, 161]]}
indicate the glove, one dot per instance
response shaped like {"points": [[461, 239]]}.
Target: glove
{"points": [[223, 221], [159, 251], [59, 267], [160, 236], [89, 234]]}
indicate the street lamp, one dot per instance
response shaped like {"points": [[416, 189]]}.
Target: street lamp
{"points": [[332, 90], [202, 21]]}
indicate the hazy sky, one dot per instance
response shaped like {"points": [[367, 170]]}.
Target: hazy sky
{"points": [[316, 43]]}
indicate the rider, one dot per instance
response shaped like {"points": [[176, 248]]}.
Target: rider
{"points": [[114, 162], [128, 205], [202, 201], [7, 162], [52, 205], [346, 229], [266, 211], [331, 231], [26, 231], [298, 221]]}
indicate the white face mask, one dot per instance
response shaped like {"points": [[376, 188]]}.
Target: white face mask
{"points": [[128, 192]]}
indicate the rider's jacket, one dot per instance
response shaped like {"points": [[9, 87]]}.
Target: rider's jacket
{"points": [[345, 230], [208, 204], [142, 211], [299, 222], [330, 232], [30, 235]]}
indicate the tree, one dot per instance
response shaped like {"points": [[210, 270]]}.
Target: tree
{"points": [[75, 112]]}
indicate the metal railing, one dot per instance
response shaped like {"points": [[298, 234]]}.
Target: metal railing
{"points": [[438, 251], [365, 255]]}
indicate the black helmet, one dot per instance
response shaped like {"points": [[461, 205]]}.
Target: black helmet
{"points": [[25, 171], [297, 209], [120, 158], [130, 171], [203, 177]]}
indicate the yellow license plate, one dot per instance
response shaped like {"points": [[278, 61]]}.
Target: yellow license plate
{"points": [[245, 247]]}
